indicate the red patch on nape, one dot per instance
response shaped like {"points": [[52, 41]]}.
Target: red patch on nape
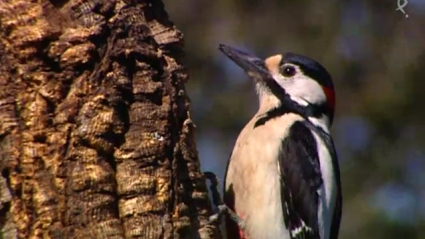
{"points": [[241, 234], [330, 97]]}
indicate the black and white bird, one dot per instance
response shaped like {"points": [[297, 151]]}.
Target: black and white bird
{"points": [[282, 178]]}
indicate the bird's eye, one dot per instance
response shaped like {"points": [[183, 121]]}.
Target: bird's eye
{"points": [[288, 71]]}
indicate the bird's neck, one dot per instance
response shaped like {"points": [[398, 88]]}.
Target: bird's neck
{"points": [[268, 102], [271, 107], [321, 122]]}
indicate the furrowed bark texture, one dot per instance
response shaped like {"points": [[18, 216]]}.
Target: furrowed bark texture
{"points": [[95, 135]]}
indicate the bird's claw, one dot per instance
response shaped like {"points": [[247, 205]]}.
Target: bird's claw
{"points": [[218, 202]]}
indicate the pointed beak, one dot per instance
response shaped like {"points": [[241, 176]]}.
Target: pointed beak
{"points": [[254, 66]]}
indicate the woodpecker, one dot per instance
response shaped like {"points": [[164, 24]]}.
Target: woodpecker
{"points": [[282, 179]]}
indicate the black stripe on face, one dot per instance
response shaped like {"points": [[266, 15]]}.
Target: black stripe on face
{"points": [[311, 110]]}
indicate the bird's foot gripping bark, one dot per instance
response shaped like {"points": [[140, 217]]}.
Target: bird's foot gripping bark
{"points": [[218, 202]]}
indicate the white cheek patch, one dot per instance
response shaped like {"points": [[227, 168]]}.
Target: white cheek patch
{"points": [[300, 101], [304, 90], [289, 89]]}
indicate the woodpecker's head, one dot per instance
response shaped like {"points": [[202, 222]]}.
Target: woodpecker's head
{"points": [[291, 81]]}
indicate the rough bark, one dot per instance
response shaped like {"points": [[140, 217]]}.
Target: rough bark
{"points": [[95, 135]]}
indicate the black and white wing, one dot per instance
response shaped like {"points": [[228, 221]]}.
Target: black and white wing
{"points": [[336, 217], [300, 179]]}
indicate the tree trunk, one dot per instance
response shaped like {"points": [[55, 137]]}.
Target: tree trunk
{"points": [[95, 135]]}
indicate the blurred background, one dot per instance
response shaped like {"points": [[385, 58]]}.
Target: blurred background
{"points": [[376, 56]]}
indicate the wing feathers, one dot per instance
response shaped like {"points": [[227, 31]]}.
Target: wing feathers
{"points": [[300, 180]]}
